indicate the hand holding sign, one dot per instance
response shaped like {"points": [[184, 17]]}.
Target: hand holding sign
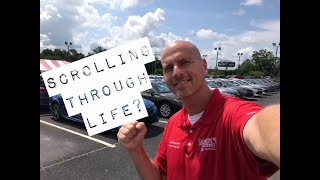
{"points": [[105, 88]]}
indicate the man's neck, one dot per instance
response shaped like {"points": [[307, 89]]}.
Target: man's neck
{"points": [[197, 102]]}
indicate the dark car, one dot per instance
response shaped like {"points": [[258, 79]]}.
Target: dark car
{"points": [[59, 112], [44, 97], [166, 102]]}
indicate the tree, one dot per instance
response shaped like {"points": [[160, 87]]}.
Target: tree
{"points": [[47, 54], [97, 50], [247, 66], [277, 67], [263, 60], [58, 54], [159, 71], [256, 73], [74, 55]]}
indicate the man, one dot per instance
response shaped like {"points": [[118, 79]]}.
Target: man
{"points": [[213, 136]]}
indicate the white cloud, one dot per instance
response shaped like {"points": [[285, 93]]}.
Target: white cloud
{"points": [[172, 37], [89, 17], [73, 21], [137, 27], [131, 3], [58, 19], [142, 26], [247, 42], [252, 2], [44, 39], [207, 34], [89, 24], [49, 12], [121, 4]]}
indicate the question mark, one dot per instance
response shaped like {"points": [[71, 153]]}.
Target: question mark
{"points": [[138, 104]]}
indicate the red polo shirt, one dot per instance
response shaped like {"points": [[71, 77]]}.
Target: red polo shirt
{"points": [[212, 148]]}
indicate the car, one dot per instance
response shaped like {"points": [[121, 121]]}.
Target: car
{"points": [[245, 93], [166, 102], [44, 97], [257, 92], [271, 87], [224, 90], [153, 77], [59, 112]]}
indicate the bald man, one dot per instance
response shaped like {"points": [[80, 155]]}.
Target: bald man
{"points": [[213, 136]]}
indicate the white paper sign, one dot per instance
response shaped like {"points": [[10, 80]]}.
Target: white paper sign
{"points": [[105, 88]]}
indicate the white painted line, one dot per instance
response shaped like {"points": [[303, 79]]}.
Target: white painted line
{"points": [[79, 134], [163, 121]]}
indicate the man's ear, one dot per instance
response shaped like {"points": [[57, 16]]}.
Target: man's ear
{"points": [[204, 64]]}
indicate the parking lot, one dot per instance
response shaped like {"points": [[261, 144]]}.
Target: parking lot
{"points": [[66, 152]]}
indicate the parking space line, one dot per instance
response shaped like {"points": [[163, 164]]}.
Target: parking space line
{"points": [[163, 121], [79, 134]]}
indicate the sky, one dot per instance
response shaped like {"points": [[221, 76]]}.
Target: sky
{"points": [[236, 26]]}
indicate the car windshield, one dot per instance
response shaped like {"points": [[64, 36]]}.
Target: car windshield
{"points": [[212, 84], [161, 87], [229, 84]]}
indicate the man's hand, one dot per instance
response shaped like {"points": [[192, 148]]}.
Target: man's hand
{"points": [[131, 135]]}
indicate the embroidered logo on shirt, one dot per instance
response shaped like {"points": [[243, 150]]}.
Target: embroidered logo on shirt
{"points": [[174, 144], [208, 144]]}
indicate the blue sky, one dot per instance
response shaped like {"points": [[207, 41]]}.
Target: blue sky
{"points": [[234, 25]]}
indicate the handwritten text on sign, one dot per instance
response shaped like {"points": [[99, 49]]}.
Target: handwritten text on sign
{"points": [[105, 88]]}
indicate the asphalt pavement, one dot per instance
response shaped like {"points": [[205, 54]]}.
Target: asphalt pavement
{"points": [[66, 152]]}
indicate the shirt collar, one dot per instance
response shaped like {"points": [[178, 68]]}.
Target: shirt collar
{"points": [[216, 101]]}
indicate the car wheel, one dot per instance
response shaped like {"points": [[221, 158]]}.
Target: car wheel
{"points": [[56, 112], [165, 110]]}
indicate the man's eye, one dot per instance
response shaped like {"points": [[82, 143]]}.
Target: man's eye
{"points": [[185, 63], [168, 69]]}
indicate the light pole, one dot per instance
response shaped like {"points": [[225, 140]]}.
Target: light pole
{"points": [[217, 49], [239, 54], [226, 65], [68, 45], [155, 62], [274, 63]]}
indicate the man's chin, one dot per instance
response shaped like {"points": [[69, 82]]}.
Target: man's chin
{"points": [[183, 93], [182, 86]]}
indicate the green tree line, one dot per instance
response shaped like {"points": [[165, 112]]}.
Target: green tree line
{"points": [[262, 62]]}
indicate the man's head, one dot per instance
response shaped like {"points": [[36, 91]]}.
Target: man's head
{"points": [[183, 68]]}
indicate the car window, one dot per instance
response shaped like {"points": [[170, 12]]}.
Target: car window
{"points": [[212, 84], [161, 88]]}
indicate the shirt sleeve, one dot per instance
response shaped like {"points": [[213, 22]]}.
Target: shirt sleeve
{"points": [[239, 113]]}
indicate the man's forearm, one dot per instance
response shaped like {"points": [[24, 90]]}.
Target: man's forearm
{"points": [[262, 134], [145, 166], [269, 127]]}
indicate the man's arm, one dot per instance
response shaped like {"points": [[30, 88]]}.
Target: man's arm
{"points": [[262, 134], [146, 167], [131, 137]]}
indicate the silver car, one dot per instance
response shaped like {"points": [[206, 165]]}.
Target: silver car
{"points": [[223, 90]]}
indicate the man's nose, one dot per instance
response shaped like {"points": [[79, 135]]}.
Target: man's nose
{"points": [[177, 71]]}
